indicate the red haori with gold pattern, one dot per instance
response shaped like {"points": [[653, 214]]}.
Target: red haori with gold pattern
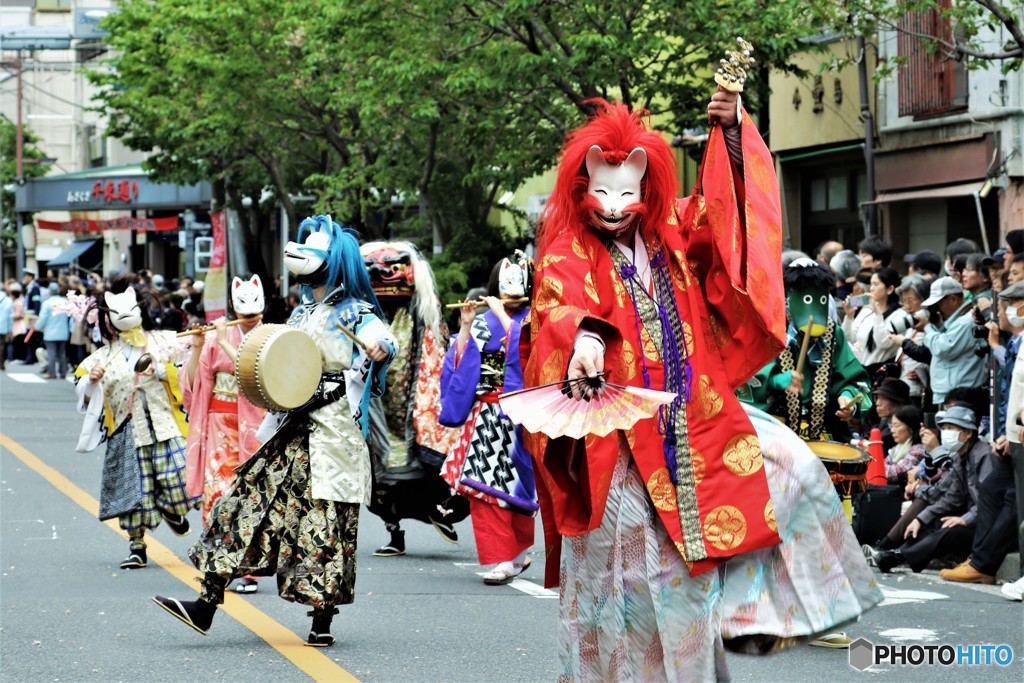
{"points": [[726, 273]]}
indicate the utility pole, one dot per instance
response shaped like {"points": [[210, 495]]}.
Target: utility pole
{"points": [[18, 39], [871, 212], [19, 175]]}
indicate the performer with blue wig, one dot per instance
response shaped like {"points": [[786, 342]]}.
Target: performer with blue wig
{"points": [[294, 510]]}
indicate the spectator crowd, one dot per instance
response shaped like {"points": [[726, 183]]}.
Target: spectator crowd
{"points": [[940, 345], [37, 328]]}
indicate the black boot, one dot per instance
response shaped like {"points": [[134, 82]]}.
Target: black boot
{"points": [[395, 547], [198, 614], [320, 633]]}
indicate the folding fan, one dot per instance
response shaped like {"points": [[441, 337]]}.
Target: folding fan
{"points": [[550, 408]]}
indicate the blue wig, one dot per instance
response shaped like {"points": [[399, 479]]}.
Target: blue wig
{"points": [[345, 267]]}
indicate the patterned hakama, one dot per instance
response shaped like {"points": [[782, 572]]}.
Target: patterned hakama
{"points": [[139, 482], [270, 523], [630, 610], [162, 482]]}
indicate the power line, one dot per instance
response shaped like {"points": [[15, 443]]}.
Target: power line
{"points": [[50, 94]]}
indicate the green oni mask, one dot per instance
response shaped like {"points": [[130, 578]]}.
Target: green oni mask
{"points": [[805, 303]]}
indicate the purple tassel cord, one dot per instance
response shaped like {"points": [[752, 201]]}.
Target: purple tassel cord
{"points": [[678, 370]]}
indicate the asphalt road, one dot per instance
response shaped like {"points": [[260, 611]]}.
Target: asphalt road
{"points": [[67, 613]]}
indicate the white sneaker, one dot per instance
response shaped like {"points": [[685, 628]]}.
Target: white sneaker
{"points": [[1014, 590]]}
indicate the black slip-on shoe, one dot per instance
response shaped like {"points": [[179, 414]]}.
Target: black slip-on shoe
{"points": [[195, 615], [447, 531], [178, 523], [388, 551], [319, 640], [136, 560]]}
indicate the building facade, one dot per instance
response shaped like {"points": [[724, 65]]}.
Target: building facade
{"points": [[95, 209], [946, 144], [818, 139], [949, 161]]}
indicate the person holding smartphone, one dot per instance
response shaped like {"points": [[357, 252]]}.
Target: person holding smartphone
{"points": [[869, 329], [949, 335]]}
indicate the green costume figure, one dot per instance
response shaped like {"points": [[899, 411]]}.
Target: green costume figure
{"points": [[834, 387]]}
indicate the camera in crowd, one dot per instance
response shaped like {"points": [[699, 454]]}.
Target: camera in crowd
{"points": [[981, 319]]}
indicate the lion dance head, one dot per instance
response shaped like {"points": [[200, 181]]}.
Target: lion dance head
{"points": [[400, 275]]}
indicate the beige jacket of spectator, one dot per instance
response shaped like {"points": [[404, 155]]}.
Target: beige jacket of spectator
{"points": [[1015, 402]]}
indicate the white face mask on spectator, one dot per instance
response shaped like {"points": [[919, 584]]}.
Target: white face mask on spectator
{"points": [[1013, 316], [950, 438]]}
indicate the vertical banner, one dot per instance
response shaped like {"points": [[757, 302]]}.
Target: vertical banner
{"points": [[215, 293], [237, 259]]}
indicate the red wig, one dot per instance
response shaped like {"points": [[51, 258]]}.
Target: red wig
{"points": [[617, 131]]}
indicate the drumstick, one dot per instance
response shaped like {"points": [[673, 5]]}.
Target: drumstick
{"points": [[520, 300], [352, 335], [210, 328], [803, 347]]}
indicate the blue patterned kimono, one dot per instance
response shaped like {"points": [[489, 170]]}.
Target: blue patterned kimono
{"points": [[496, 465]]}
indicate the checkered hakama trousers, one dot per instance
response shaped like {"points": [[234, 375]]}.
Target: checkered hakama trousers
{"points": [[162, 482]]}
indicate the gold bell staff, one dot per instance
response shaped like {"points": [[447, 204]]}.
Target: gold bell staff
{"points": [[211, 328]]}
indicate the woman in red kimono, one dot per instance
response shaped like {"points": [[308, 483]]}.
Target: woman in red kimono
{"points": [[222, 422]]}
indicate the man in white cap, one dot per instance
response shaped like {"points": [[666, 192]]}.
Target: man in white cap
{"points": [[949, 335]]}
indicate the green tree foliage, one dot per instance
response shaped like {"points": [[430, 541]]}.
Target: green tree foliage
{"points": [[9, 170], [411, 119]]}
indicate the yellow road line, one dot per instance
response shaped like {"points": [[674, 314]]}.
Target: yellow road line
{"points": [[312, 661]]}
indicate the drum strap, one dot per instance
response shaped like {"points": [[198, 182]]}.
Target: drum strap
{"points": [[322, 397]]}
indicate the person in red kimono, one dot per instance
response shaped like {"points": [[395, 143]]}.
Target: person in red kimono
{"points": [[684, 296], [222, 422]]}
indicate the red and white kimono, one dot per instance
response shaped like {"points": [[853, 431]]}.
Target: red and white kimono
{"points": [[222, 422]]}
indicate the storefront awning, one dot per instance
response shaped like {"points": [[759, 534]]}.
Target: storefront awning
{"points": [[74, 252], [964, 190]]}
